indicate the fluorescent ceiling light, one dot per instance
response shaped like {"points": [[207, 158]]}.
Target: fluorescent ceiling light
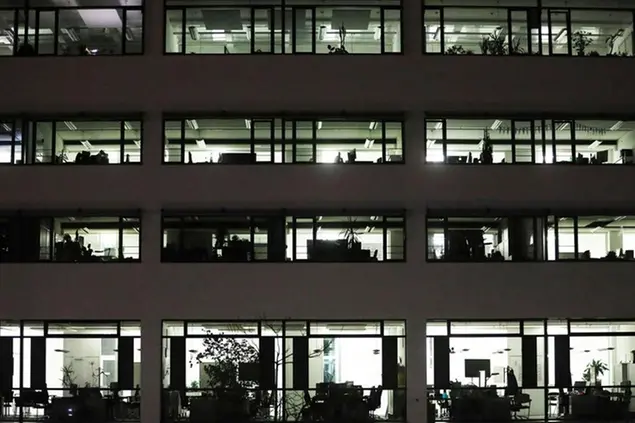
{"points": [[70, 125], [193, 32], [137, 143], [71, 34], [101, 18], [563, 126], [127, 126], [201, 144], [439, 126], [595, 144], [193, 123], [322, 33], [372, 126], [369, 143], [430, 143], [87, 144], [248, 123], [377, 34], [370, 228], [319, 125], [6, 127], [497, 123], [617, 125], [481, 145], [562, 31]]}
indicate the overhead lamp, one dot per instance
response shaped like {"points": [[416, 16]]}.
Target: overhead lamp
{"points": [[87, 144], [562, 31], [193, 123], [127, 126], [193, 32], [248, 33], [72, 35], [370, 228], [129, 35], [497, 123], [201, 144], [369, 143], [70, 125], [319, 125], [372, 126], [6, 127], [377, 34], [248, 123], [430, 143], [617, 125], [595, 144], [439, 126], [137, 143], [563, 126]]}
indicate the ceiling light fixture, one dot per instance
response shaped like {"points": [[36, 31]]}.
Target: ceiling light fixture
{"points": [[377, 34], [617, 125], [369, 143], [319, 125], [6, 127], [439, 126], [70, 125], [193, 123], [193, 32], [372, 126], [430, 143], [322, 33], [497, 123], [201, 144], [248, 123], [595, 144], [87, 144], [562, 126], [127, 126]]}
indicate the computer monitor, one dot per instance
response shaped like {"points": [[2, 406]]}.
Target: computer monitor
{"points": [[474, 367]]}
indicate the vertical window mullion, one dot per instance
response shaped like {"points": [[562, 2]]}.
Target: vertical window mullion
{"points": [[382, 30], [183, 160], [16, 38], [576, 244], [444, 135], [442, 29], [446, 241], [51, 239], [532, 139], [124, 29], [384, 158], [252, 31], [272, 139], [183, 30], [120, 240], [314, 140], [13, 136], [554, 150], [252, 235], [294, 48], [53, 141], [572, 136], [272, 30], [294, 146], [36, 44], [543, 135], [510, 35], [550, 32], [294, 237], [569, 35], [513, 137], [384, 238], [313, 31], [122, 137], [252, 132], [556, 231], [56, 31]]}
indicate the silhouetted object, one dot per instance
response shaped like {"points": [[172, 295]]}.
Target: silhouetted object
{"points": [[25, 49]]}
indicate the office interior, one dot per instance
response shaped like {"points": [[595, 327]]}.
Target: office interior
{"points": [[529, 140], [278, 237], [276, 140], [82, 238], [284, 370], [72, 141], [61, 371], [560, 237], [534, 370], [593, 28], [50, 27], [326, 27]]}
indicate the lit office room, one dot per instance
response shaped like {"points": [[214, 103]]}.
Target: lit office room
{"points": [[528, 140], [283, 370], [595, 28], [67, 238], [70, 141], [58, 370], [326, 27], [65, 28], [274, 236], [495, 237], [252, 140], [536, 370]]}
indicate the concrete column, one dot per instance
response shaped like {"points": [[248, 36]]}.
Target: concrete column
{"points": [[415, 140], [153, 16], [411, 25], [416, 370], [151, 365]]}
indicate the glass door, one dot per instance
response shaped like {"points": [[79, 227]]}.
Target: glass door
{"points": [[559, 32], [518, 31]]}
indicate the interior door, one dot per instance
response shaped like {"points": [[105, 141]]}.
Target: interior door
{"points": [[559, 32]]}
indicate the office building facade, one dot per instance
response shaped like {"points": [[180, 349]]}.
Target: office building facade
{"points": [[412, 196]]}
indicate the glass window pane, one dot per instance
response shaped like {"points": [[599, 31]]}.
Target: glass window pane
{"points": [[88, 32], [45, 32], [134, 32], [7, 32], [303, 37], [392, 30], [132, 141], [173, 31], [432, 30], [173, 141], [345, 328]]}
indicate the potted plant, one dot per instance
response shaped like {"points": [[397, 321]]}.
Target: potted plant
{"points": [[494, 43], [581, 40], [341, 49], [593, 370], [458, 50]]}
